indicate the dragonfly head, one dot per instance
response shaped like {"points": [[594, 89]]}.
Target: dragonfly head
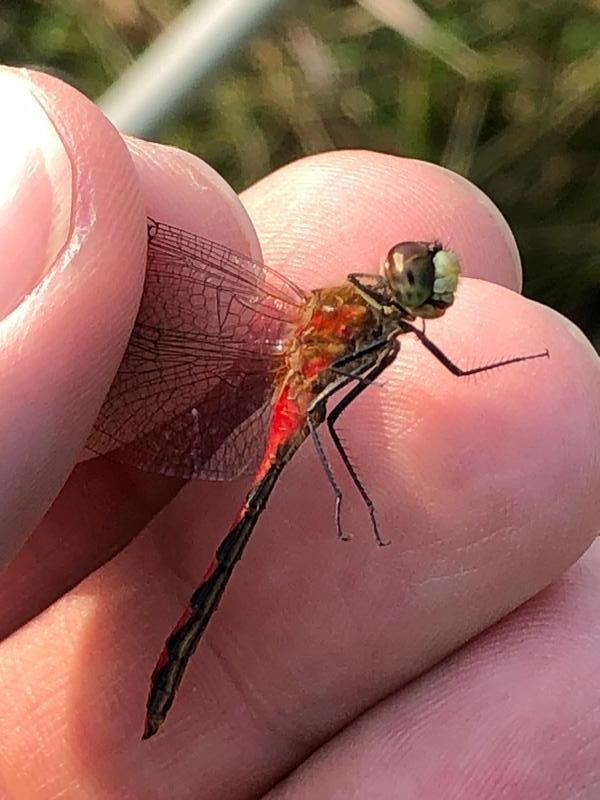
{"points": [[422, 277]]}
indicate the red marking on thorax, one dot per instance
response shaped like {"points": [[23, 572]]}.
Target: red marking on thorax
{"points": [[328, 333], [316, 365], [340, 322]]}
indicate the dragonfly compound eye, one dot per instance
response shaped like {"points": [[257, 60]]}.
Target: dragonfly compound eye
{"points": [[422, 277]]}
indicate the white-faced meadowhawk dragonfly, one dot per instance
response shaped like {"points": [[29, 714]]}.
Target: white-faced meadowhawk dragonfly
{"points": [[223, 344]]}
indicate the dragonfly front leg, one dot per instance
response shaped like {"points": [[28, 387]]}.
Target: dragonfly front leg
{"points": [[454, 368]]}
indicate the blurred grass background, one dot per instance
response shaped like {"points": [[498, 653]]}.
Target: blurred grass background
{"points": [[506, 93]]}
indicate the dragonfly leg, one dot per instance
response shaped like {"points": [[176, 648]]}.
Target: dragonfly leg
{"points": [[454, 368], [316, 415], [345, 373], [318, 410], [385, 358]]}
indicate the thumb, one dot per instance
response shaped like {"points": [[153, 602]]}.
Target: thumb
{"points": [[72, 257]]}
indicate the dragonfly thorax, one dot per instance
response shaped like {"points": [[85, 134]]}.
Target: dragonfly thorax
{"points": [[422, 277]]}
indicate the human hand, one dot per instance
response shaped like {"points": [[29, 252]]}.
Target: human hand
{"points": [[488, 488]]}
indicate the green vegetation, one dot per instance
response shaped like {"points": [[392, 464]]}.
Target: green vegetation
{"points": [[505, 93]]}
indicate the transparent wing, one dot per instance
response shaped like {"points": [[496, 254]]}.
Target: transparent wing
{"points": [[191, 394]]}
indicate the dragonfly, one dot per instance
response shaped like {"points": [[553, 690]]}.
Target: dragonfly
{"points": [[231, 367]]}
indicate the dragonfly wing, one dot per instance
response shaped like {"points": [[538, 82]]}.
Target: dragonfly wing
{"points": [[219, 440], [200, 360], [241, 452]]}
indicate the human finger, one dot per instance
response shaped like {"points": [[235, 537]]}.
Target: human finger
{"points": [[72, 231], [515, 712], [344, 210], [104, 503]]}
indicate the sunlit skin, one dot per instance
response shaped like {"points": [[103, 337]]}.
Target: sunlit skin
{"points": [[316, 639]]}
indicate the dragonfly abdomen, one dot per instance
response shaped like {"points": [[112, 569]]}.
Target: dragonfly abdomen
{"points": [[182, 642]]}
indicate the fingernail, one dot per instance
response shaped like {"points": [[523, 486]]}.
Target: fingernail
{"points": [[35, 192]]}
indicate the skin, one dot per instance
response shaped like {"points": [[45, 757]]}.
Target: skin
{"points": [[303, 685]]}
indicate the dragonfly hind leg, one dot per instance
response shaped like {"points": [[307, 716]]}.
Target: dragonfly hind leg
{"points": [[385, 352], [384, 359], [316, 415]]}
